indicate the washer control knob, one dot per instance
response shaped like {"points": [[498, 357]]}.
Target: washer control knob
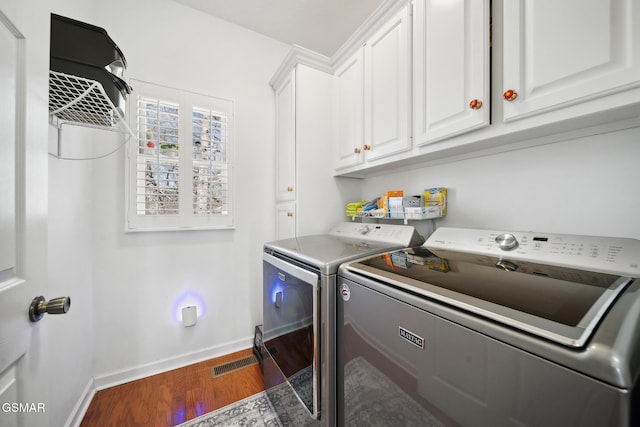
{"points": [[507, 241], [364, 229]]}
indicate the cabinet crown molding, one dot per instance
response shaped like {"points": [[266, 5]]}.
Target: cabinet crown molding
{"points": [[300, 55], [383, 13]]}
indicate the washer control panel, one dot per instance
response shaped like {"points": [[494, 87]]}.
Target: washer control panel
{"points": [[612, 255]]}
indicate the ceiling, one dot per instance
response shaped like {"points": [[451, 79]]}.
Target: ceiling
{"points": [[320, 25]]}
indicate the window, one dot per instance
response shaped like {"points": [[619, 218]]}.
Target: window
{"points": [[180, 169]]}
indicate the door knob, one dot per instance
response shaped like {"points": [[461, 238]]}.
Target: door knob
{"points": [[39, 306]]}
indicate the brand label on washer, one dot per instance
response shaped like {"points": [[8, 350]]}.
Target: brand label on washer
{"points": [[345, 292], [414, 339]]}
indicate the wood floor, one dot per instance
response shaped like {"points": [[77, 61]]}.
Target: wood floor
{"points": [[173, 397]]}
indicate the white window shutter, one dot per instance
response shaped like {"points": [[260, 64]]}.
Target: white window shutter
{"points": [[180, 168]]}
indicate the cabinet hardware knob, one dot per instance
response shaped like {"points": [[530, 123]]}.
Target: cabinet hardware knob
{"points": [[475, 104], [289, 189], [289, 213], [510, 95], [357, 150], [367, 147]]}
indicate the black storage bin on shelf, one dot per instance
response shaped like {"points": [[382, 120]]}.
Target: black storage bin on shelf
{"points": [[77, 41], [83, 50]]}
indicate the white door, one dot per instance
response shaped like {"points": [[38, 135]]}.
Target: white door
{"points": [[349, 108], [286, 139], [23, 385], [387, 88], [451, 79], [285, 221], [558, 53]]}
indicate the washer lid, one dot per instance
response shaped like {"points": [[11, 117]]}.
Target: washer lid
{"points": [[560, 304], [345, 242]]}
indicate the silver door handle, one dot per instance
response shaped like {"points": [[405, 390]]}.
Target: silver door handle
{"points": [[39, 306]]}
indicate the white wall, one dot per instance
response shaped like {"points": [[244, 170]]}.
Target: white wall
{"points": [[125, 288], [72, 336], [140, 279], [587, 186], [70, 247]]}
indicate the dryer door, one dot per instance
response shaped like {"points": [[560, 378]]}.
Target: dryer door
{"points": [[290, 330]]}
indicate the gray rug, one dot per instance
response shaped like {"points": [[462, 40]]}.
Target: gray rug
{"points": [[289, 404], [374, 400], [254, 411]]}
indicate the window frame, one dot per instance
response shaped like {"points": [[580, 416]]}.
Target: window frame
{"points": [[185, 219]]}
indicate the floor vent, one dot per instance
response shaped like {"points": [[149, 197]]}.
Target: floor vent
{"points": [[234, 365]]}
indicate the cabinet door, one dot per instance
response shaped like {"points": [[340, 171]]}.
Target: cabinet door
{"points": [[286, 139], [285, 221], [349, 110], [558, 53], [387, 90], [451, 68]]}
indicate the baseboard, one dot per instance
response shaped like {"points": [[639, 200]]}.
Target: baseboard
{"points": [[77, 414], [131, 374], [100, 382]]}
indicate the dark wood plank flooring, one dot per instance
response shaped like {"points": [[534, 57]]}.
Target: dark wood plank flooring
{"points": [[173, 397]]}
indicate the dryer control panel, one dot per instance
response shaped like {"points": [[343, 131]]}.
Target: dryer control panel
{"points": [[393, 234]]}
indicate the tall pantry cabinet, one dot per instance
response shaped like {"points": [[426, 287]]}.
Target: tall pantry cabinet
{"points": [[285, 95], [307, 195]]}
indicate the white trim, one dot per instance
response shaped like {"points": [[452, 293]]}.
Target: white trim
{"points": [[184, 219], [383, 13], [80, 409], [300, 55], [142, 371], [101, 382]]}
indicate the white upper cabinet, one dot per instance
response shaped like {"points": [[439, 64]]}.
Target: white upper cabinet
{"points": [[372, 100], [559, 53], [461, 76], [451, 68], [286, 138], [349, 111], [387, 88]]}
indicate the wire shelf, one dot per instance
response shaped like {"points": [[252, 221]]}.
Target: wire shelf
{"points": [[83, 102]]}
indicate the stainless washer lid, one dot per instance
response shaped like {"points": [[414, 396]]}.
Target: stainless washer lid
{"points": [[554, 286], [345, 242], [556, 303]]}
